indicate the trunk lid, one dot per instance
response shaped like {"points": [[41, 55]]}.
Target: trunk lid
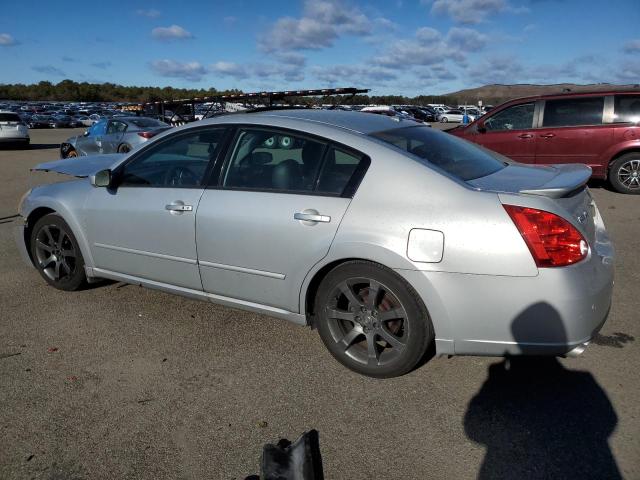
{"points": [[80, 167], [566, 184]]}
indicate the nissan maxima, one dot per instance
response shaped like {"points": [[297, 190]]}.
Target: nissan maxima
{"points": [[390, 238]]}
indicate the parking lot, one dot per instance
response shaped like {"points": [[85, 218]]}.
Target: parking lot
{"points": [[118, 381]]}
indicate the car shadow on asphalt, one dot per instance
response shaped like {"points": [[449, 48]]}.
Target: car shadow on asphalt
{"points": [[538, 419]]}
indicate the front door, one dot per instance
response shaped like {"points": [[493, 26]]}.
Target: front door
{"points": [[145, 227], [272, 215], [91, 142], [510, 132]]}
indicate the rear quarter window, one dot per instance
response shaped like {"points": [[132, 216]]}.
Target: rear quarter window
{"points": [[455, 156], [626, 109]]}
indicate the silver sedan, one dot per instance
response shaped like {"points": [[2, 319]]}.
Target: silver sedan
{"points": [[390, 238], [115, 135]]}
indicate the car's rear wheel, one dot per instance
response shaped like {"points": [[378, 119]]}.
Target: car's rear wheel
{"points": [[444, 120], [624, 173], [124, 148], [56, 254], [371, 320]]}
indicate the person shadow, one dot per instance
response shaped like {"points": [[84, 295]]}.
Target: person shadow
{"points": [[539, 419]]}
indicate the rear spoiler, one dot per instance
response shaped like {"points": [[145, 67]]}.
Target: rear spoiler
{"points": [[570, 177]]}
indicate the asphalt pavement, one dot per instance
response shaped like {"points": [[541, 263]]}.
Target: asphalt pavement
{"points": [[118, 381]]}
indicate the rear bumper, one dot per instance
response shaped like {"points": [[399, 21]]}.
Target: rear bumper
{"points": [[555, 313]]}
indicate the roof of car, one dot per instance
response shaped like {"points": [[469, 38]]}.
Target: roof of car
{"points": [[359, 122], [575, 94]]}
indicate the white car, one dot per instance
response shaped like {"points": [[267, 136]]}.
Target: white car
{"points": [[454, 116], [13, 129]]}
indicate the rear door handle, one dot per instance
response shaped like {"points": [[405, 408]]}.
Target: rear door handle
{"points": [[525, 135], [548, 135], [178, 207], [311, 217]]}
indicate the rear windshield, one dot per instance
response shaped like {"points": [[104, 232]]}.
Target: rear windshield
{"points": [[147, 123], [455, 156], [9, 117]]}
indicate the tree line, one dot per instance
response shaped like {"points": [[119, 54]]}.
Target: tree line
{"points": [[69, 90]]}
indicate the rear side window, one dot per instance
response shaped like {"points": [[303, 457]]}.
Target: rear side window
{"points": [[455, 156], [518, 117], [626, 109], [338, 168], [572, 112]]}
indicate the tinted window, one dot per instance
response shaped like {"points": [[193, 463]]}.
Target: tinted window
{"points": [[338, 168], [573, 111], [262, 159], [453, 155], [518, 117], [180, 161], [9, 117], [626, 109], [147, 123]]}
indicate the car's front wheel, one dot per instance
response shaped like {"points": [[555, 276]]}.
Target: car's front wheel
{"points": [[624, 173], [56, 254], [371, 320], [444, 120]]}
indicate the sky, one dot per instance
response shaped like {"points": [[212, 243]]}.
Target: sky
{"points": [[404, 47]]}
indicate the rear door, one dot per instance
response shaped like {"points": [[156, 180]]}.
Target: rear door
{"points": [[91, 142], [272, 214], [573, 131], [509, 132], [113, 137]]}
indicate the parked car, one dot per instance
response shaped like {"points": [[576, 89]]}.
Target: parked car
{"points": [[60, 121], [598, 129], [388, 237], [84, 120], [117, 135], [454, 115], [12, 129], [389, 112], [420, 113], [39, 121]]}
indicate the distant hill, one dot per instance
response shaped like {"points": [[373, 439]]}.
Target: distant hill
{"points": [[495, 94]]}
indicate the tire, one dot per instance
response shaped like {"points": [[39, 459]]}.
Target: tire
{"points": [[444, 120], [56, 254], [71, 153], [124, 148], [382, 336], [624, 173]]}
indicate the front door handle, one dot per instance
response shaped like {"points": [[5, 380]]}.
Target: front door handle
{"points": [[311, 217], [178, 207], [525, 135], [548, 135]]}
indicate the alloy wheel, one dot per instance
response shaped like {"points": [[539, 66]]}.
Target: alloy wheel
{"points": [[55, 253], [629, 174], [368, 321]]}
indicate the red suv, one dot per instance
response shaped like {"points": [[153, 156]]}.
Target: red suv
{"points": [[600, 129]]}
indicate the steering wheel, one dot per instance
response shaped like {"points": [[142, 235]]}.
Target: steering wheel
{"points": [[180, 176]]}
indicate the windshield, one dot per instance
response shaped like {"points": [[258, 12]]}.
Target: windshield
{"points": [[455, 156]]}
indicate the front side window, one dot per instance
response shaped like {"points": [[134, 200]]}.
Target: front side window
{"points": [[455, 156], [99, 128], [626, 109], [573, 112], [517, 117], [116, 127], [267, 160], [178, 161]]}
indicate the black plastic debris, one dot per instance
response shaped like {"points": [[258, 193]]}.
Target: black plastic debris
{"points": [[300, 460]]}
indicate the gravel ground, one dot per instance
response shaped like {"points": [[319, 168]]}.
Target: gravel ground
{"points": [[122, 382]]}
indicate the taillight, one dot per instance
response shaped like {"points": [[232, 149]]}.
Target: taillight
{"points": [[552, 240], [147, 134]]}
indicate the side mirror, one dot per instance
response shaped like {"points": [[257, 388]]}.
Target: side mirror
{"points": [[101, 178]]}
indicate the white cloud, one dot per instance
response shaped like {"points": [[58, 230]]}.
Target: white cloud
{"points": [[149, 13], [322, 23], [192, 71], [174, 32], [229, 69], [471, 11], [632, 46], [7, 40]]}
